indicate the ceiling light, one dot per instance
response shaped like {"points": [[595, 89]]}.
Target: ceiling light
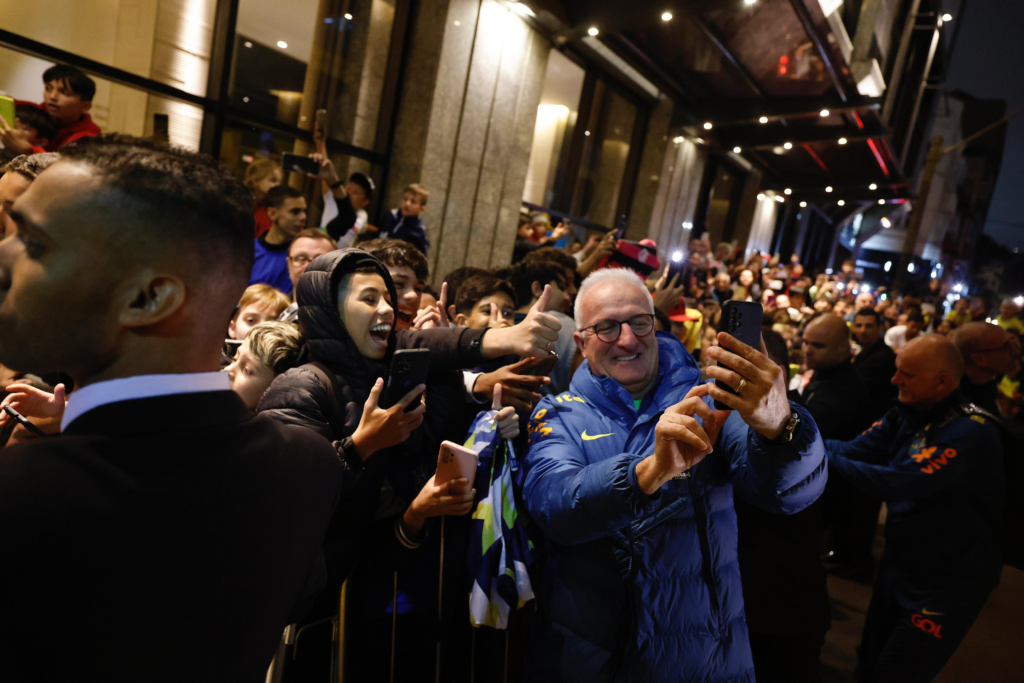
{"points": [[881, 201], [736, 150], [281, 44], [841, 202], [749, 2], [760, 195], [886, 223], [763, 119], [587, 133], [348, 16], [787, 191], [779, 198], [592, 31], [248, 43], [245, 99], [788, 145], [522, 10], [872, 186], [678, 139], [803, 205], [828, 189], [824, 112], [707, 125], [842, 141], [666, 16], [947, 17]]}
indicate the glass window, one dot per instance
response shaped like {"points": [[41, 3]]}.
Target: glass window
{"points": [[294, 58], [556, 121], [720, 203], [607, 138], [115, 108], [165, 40]]}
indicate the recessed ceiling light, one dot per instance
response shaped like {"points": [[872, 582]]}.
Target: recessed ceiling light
{"points": [[666, 16], [828, 189], [248, 43], [872, 186], [881, 201], [587, 133], [245, 99], [760, 195], [824, 112], [707, 125], [592, 31], [788, 145], [841, 203], [842, 141], [947, 17], [787, 191], [885, 222], [749, 2], [763, 119], [736, 150], [779, 198], [281, 44], [348, 16], [678, 139], [803, 205]]}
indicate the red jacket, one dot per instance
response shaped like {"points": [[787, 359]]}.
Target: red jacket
{"points": [[83, 128]]}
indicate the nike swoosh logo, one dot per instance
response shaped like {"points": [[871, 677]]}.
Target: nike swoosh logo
{"points": [[931, 614], [587, 437]]}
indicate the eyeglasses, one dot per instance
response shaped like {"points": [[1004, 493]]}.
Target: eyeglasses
{"points": [[608, 331], [300, 260]]}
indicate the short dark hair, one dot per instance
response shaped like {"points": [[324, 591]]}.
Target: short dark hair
{"points": [[399, 254], [526, 273], [73, 78], [479, 287], [174, 195], [915, 316], [455, 279], [559, 256], [277, 195], [30, 165], [869, 312], [34, 117], [364, 181]]}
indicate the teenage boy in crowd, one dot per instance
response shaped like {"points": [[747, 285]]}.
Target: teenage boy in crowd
{"points": [[409, 271], [286, 208], [67, 98], [307, 245], [17, 175], [404, 223]]}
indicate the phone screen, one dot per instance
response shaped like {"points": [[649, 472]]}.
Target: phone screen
{"points": [[7, 110]]}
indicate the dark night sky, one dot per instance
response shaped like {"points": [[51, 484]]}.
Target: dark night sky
{"points": [[988, 62]]}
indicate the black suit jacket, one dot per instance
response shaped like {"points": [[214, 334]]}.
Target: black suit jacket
{"points": [[877, 364], [160, 539]]}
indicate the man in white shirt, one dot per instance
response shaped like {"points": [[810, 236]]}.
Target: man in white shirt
{"points": [[174, 533], [897, 337]]}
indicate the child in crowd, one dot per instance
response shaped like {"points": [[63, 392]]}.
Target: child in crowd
{"points": [[404, 223], [485, 301], [268, 350], [409, 271], [260, 176], [36, 123], [259, 304]]}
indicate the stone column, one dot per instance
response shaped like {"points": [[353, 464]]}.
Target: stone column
{"points": [[649, 173]]}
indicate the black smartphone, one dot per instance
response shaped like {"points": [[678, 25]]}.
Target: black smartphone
{"points": [[741, 319], [409, 369], [23, 421], [300, 164]]}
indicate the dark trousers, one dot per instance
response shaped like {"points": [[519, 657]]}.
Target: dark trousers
{"points": [[790, 658], [913, 628]]}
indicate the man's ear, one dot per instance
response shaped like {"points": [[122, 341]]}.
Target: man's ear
{"points": [[536, 289], [577, 338], [460, 319], [154, 299], [231, 330], [86, 106]]}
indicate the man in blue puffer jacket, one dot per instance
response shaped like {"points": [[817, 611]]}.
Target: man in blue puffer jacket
{"points": [[630, 475]]}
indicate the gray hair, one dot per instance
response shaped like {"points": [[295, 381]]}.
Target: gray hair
{"points": [[30, 165], [618, 275]]}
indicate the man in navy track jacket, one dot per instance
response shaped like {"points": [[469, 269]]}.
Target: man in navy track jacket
{"points": [[630, 475]]}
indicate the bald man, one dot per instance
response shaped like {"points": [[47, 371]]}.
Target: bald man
{"points": [[939, 467], [838, 399], [989, 352]]}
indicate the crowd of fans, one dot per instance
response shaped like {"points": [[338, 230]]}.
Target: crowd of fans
{"points": [[593, 354]]}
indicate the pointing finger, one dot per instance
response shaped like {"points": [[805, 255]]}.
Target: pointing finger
{"points": [[442, 304]]}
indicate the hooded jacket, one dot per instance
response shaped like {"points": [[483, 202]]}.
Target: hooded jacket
{"points": [[647, 588], [298, 397]]}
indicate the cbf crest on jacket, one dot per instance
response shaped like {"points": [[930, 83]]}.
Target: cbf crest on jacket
{"points": [[647, 588]]}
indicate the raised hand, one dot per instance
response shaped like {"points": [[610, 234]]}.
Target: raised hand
{"points": [[380, 428], [534, 337], [762, 402], [680, 441], [667, 293], [33, 402], [517, 389], [327, 171], [15, 140], [508, 421]]}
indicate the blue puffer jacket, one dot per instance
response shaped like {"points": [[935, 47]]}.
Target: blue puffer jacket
{"points": [[647, 588]]}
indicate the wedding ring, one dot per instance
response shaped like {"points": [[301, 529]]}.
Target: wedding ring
{"points": [[741, 387]]}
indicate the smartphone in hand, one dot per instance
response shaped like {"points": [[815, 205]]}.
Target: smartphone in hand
{"points": [[300, 164], [455, 462], [741, 319], [409, 368]]}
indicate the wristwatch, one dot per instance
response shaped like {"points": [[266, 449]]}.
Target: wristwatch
{"points": [[789, 430]]}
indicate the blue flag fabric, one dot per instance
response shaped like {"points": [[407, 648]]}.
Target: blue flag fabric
{"points": [[499, 549]]}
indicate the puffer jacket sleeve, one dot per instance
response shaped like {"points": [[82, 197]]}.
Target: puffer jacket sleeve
{"points": [[451, 348], [297, 397], [572, 501], [778, 478]]}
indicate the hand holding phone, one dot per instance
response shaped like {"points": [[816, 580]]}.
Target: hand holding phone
{"points": [[300, 164], [381, 428], [742, 320], [455, 462], [409, 368]]}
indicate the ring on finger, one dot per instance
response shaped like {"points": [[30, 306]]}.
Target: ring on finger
{"points": [[741, 387]]}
